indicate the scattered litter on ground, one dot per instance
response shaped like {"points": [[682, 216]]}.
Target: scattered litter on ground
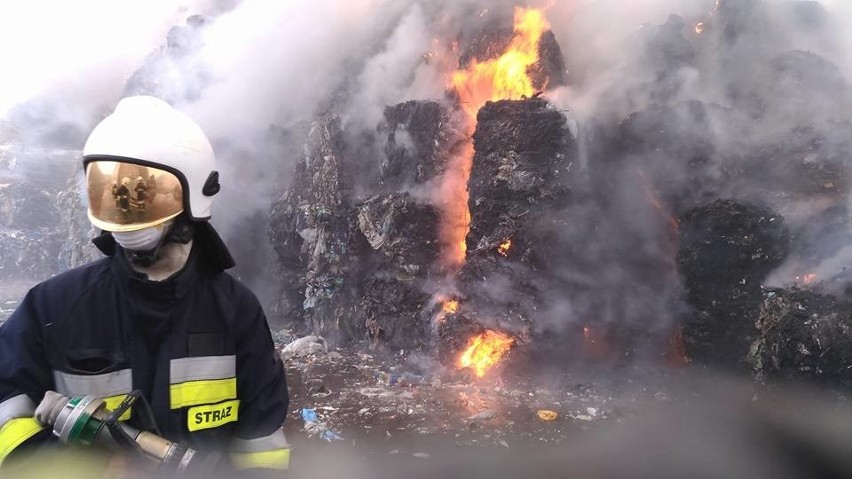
{"points": [[547, 415], [484, 415], [314, 427]]}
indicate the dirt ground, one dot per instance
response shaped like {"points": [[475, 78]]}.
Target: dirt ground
{"points": [[378, 406], [435, 421]]}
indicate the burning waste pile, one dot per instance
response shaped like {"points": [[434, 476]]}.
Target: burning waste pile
{"points": [[686, 204], [393, 266], [495, 226], [464, 264]]}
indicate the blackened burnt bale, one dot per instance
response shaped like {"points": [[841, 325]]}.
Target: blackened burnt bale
{"points": [[805, 162], [420, 137], [505, 290], [549, 71], [805, 78], [796, 87], [803, 336], [488, 44], [312, 229], [394, 312], [808, 150], [518, 192], [402, 238], [726, 250], [524, 151], [675, 146], [725, 244], [491, 42], [667, 52], [402, 230]]}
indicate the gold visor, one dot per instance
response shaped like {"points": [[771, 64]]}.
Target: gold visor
{"points": [[130, 197]]}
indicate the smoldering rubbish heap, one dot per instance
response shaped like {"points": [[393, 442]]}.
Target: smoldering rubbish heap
{"points": [[583, 241], [698, 210]]}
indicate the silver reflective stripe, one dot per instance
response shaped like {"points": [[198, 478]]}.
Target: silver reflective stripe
{"points": [[16, 407], [100, 385], [200, 368], [274, 441]]}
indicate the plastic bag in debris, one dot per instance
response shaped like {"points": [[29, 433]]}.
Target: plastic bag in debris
{"points": [[405, 379], [314, 427], [305, 347]]}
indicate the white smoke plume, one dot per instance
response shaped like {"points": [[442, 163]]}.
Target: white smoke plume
{"points": [[264, 64]]}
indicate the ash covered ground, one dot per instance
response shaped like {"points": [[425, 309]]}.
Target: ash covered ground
{"points": [[388, 421], [385, 406]]}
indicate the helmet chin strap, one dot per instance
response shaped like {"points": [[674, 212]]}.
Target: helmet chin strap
{"points": [[180, 231]]}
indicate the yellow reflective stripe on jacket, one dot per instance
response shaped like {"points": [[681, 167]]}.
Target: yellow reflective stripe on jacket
{"points": [[197, 393], [113, 402], [274, 459], [16, 431], [267, 452]]}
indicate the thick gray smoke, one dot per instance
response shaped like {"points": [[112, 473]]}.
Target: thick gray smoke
{"points": [[771, 127], [252, 69]]}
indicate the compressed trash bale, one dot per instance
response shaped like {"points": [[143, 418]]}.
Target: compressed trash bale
{"points": [[726, 250], [524, 150], [394, 312], [402, 230], [311, 229], [804, 335], [420, 137]]}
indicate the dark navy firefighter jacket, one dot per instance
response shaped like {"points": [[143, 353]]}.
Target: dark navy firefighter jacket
{"points": [[197, 345]]}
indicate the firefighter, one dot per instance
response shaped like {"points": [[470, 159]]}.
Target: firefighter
{"points": [[158, 314], [140, 190], [123, 198]]}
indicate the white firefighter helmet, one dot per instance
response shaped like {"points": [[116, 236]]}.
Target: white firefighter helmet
{"points": [[145, 137]]}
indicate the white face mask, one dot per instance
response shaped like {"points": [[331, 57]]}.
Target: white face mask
{"points": [[141, 240]]}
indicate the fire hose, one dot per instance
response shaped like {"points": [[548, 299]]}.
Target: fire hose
{"points": [[86, 420]]}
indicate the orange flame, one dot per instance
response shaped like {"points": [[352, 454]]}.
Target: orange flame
{"points": [[699, 28], [809, 278], [504, 247], [504, 77], [673, 227], [676, 354], [450, 307], [499, 79], [484, 351]]}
